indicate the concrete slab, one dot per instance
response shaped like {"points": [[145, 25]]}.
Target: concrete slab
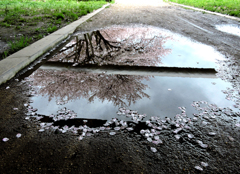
{"points": [[38, 48], [11, 65]]}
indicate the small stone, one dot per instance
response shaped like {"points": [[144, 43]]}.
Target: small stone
{"points": [[7, 87]]}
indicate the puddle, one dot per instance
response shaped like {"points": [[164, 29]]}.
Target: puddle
{"points": [[99, 96], [229, 28], [137, 46], [125, 78]]}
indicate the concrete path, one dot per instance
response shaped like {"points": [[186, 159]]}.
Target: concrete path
{"points": [[146, 12]]}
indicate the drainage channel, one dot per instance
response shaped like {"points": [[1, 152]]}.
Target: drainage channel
{"points": [[134, 78]]}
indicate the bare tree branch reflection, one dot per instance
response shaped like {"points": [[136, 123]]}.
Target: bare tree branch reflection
{"points": [[121, 90], [118, 45]]}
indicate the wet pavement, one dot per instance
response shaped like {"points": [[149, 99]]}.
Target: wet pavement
{"points": [[175, 99], [62, 91]]}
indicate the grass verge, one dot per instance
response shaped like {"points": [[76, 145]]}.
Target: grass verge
{"points": [[38, 18], [228, 7]]}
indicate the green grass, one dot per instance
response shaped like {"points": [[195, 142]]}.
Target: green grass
{"points": [[229, 7], [40, 17], [17, 45], [14, 11], [51, 29]]}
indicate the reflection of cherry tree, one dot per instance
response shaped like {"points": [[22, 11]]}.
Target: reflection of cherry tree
{"points": [[122, 90], [117, 45]]}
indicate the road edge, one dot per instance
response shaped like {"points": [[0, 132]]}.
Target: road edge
{"points": [[12, 64], [210, 12]]}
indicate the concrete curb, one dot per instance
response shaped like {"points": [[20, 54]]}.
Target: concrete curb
{"points": [[198, 9], [12, 64]]}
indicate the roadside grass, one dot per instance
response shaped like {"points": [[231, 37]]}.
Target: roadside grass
{"points": [[228, 7], [18, 44], [41, 17]]}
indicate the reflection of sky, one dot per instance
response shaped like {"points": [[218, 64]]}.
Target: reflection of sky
{"points": [[230, 28], [186, 53], [162, 102]]}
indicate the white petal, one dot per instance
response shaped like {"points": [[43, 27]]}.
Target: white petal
{"points": [[18, 135], [5, 139], [204, 164], [190, 135], [149, 139], [153, 149], [177, 137], [198, 168], [211, 133], [112, 133]]}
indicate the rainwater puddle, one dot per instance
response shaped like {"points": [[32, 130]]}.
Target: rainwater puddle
{"points": [[229, 28], [137, 46], [114, 78], [99, 96]]}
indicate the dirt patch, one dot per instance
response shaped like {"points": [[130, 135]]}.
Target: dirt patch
{"points": [[33, 29]]}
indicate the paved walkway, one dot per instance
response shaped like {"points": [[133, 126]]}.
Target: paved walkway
{"points": [[150, 12]]}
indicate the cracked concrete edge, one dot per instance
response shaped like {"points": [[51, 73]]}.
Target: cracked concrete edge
{"points": [[12, 64], [210, 12]]}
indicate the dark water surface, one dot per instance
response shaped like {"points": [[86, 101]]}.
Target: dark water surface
{"points": [[154, 96], [99, 94]]}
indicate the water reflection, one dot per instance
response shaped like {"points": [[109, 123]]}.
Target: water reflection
{"points": [[117, 45], [120, 90], [100, 95], [229, 28], [137, 45]]}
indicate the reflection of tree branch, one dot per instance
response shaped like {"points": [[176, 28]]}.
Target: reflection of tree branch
{"points": [[121, 90], [136, 47]]}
